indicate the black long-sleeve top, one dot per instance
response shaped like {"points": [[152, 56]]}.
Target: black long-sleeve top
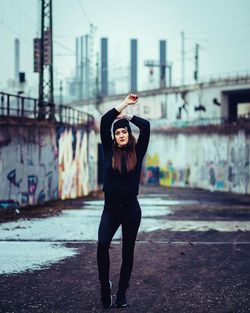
{"points": [[124, 185]]}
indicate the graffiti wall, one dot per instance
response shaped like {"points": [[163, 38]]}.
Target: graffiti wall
{"points": [[214, 161], [77, 162], [28, 166], [39, 164]]}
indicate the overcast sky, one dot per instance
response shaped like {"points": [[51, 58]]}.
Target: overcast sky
{"points": [[220, 27]]}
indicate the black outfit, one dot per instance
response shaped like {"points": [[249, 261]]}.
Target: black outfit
{"points": [[121, 206]]}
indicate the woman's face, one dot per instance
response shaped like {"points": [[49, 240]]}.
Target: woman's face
{"points": [[121, 137]]}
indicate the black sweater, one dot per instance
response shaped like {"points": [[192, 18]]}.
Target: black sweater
{"points": [[124, 185]]}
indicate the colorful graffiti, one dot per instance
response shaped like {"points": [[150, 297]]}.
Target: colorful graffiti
{"points": [[49, 164], [165, 175], [219, 163], [73, 163], [32, 185], [170, 175], [153, 170]]}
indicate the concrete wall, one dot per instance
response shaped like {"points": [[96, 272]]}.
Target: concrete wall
{"points": [[39, 163], [209, 161], [28, 165]]}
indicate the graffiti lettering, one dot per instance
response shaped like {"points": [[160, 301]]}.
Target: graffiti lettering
{"points": [[12, 178]]}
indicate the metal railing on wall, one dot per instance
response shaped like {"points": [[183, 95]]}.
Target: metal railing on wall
{"points": [[163, 124], [12, 105]]}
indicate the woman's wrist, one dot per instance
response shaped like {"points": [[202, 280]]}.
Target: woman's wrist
{"points": [[127, 117], [120, 107]]}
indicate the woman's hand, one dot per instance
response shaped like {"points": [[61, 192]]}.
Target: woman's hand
{"points": [[131, 99]]}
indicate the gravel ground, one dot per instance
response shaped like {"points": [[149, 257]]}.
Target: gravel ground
{"points": [[180, 272]]}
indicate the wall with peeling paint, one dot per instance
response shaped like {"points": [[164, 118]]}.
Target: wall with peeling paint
{"points": [[28, 165], [42, 163], [209, 161]]}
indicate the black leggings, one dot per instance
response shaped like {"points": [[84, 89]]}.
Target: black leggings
{"points": [[128, 215]]}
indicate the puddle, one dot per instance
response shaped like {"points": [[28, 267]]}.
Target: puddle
{"points": [[188, 225], [74, 225], [31, 244], [17, 257], [145, 202]]}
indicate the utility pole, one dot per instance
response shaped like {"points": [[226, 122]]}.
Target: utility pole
{"points": [[182, 58], [196, 63], [152, 63], [46, 87]]}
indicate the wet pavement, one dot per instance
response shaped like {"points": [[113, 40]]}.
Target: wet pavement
{"points": [[192, 255]]}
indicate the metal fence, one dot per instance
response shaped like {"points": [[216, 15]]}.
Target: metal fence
{"points": [[12, 105]]}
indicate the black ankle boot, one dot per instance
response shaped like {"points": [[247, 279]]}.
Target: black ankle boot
{"points": [[121, 299], [106, 296]]}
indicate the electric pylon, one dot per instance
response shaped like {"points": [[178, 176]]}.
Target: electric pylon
{"points": [[46, 87]]}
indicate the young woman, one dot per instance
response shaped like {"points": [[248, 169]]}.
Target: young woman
{"points": [[123, 158]]}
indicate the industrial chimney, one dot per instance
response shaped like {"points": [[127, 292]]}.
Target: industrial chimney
{"points": [[17, 59]]}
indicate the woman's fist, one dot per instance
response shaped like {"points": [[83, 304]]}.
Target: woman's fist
{"points": [[131, 99]]}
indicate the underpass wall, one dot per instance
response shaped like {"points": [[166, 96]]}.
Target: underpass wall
{"points": [[210, 161], [44, 162]]}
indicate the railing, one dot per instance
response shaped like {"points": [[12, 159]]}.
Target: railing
{"points": [[26, 107], [236, 77], [165, 124]]}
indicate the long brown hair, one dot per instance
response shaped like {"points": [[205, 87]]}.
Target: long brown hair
{"points": [[129, 154]]}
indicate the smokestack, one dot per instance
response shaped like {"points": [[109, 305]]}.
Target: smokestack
{"points": [[163, 63], [77, 59], [104, 66], [17, 59], [133, 66]]}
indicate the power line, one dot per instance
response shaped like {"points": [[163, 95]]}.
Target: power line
{"points": [[83, 11], [13, 31], [246, 40], [24, 13], [213, 54], [225, 28], [64, 47]]}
